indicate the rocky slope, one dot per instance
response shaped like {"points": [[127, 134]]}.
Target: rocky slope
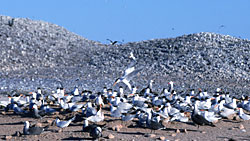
{"points": [[37, 53]]}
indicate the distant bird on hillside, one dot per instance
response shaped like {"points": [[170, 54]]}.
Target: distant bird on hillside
{"points": [[114, 42]]}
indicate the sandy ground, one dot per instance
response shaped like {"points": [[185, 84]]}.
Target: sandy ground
{"points": [[225, 130]]}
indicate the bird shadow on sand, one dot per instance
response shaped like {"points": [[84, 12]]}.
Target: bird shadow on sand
{"points": [[77, 138], [131, 133], [227, 120], [246, 138], [15, 123]]}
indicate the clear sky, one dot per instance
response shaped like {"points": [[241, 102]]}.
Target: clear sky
{"points": [[136, 20]]}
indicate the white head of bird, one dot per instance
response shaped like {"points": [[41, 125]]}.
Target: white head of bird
{"points": [[39, 90], [132, 55], [121, 90]]}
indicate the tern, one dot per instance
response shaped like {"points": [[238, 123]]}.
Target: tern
{"points": [[243, 115], [129, 73], [63, 124]]}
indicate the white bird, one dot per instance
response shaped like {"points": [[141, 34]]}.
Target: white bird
{"points": [[210, 116], [225, 112], [97, 118], [232, 104], [63, 124], [243, 115], [128, 74], [99, 100]]}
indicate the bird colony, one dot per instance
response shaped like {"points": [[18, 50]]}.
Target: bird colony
{"points": [[146, 107]]}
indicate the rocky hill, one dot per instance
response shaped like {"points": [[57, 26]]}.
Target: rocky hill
{"points": [[37, 53]]}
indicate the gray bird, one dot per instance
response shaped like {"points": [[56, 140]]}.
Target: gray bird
{"points": [[27, 130], [63, 124]]}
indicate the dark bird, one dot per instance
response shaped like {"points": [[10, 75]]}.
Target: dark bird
{"points": [[11, 22], [27, 130], [199, 119], [112, 42], [94, 130]]}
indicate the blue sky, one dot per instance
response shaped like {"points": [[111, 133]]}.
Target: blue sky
{"points": [[136, 20]]}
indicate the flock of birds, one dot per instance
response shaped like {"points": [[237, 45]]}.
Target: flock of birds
{"points": [[151, 108]]}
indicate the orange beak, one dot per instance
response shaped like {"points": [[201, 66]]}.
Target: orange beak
{"points": [[109, 104], [216, 106], [212, 98], [30, 92], [114, 84]]}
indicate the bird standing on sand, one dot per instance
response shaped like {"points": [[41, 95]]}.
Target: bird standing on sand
{"points": [[129, 73]]}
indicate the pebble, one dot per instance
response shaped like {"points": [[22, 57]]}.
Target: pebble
{"points": [[162, 138], [173, 135], [150, 135], [59, 131], [241, 126], [117, 127], [177, 131], [110, 136], [244, 130], [49, 121], [8, 137], [203, 132], [231, 128], [39, 125]]}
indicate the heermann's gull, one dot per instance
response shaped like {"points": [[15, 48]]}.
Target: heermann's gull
{"points": [[27, 130]]}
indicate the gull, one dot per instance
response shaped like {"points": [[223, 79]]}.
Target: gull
{"points": [[199, 119], [242, 115], [27, 130], [112, 42], [63, 124], [94, 130], [154, 123]]}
